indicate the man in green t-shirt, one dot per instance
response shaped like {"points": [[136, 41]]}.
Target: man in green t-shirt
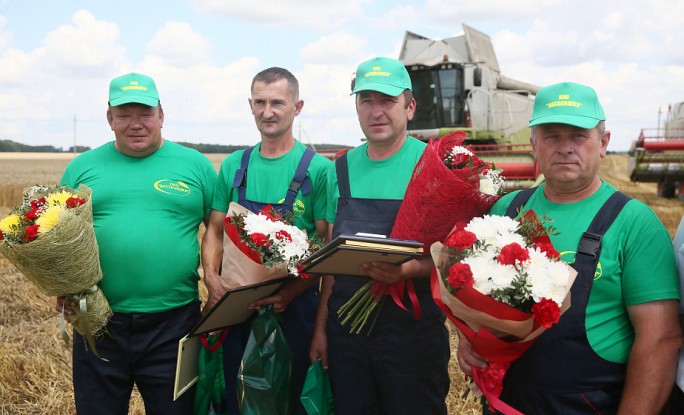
{"points": [[615, 349], [400, 367], [253, 178], [149, 197]]}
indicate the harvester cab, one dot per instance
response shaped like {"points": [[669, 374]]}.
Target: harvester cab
{"points": [[657, 155], [457, 84]]}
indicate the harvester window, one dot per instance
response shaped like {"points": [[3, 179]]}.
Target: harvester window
{"points": [[439, 97]]}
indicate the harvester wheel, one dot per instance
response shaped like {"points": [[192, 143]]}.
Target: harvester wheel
{"points": [[666, 189]]}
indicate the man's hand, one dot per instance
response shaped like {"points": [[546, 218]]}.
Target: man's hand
{"points": [[67, 304], [285, 294], [319, 347], [467, 358], [215, 290], [388, 273]]}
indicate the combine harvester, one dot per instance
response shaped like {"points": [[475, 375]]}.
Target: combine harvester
{"points": [[657, 156], [457, 84]]}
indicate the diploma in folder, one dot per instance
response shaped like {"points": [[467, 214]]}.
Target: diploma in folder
{"points": [[232, 308], [346, 253]]}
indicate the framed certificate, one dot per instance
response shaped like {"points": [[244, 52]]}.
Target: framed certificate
{"points": [[232, 308], [345, 254]]}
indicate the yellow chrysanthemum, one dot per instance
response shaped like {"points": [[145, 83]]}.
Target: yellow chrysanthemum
{"points": [[10, 224], [58, 199], [49, 218]]}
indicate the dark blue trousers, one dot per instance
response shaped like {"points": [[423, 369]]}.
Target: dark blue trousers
{"points": [[401, 368], [142, 349]]}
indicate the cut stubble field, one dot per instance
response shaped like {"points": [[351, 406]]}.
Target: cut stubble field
{"points": [[35, 364]]}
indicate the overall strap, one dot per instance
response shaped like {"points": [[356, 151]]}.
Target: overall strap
{"points": [[240, 180], [343, 176], [589, 248], [241, 173], [519, 201], [300, 179]]}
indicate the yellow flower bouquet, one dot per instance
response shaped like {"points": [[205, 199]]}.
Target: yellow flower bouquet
{"points": [[50, 239]]}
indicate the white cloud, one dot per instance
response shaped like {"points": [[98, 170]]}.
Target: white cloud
{"points": [[5, 36], [325, 14], [334, 49], [179, 45], [85, 48]]}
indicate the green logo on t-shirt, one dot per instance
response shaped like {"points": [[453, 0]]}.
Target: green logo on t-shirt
{"points": [[297, 207], [172, 187], [569, 257]]}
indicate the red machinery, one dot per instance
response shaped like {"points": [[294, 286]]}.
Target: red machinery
{"points": [[657, 156]]}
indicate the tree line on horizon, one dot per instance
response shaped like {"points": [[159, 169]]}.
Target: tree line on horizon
{"points": [[9, 146]]}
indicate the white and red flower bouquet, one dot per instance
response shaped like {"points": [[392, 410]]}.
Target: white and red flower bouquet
{"points": [[262, 246], [50, 239], [449, 185], [502, 283]]}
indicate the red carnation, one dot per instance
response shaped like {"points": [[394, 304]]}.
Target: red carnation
{"points": [[283, 235], [35, 203], [301, 274], [260, 239], [460, 275], [548, 249], [461, 240], [546, 312], [512, 253], [73, 202], [31, 215], [31, 232]]}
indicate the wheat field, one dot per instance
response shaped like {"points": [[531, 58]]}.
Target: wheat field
{"points": [[35, 364]]}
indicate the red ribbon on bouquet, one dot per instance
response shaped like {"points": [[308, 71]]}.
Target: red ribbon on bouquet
{"points": [[498, 351]]}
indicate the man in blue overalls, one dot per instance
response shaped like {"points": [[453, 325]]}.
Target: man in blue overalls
{"points": [[282, 172], [615, 349], [401, 366]]}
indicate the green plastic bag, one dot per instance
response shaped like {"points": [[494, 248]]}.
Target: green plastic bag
{"points": [[264, 375], [210, 395], [316, 394]]}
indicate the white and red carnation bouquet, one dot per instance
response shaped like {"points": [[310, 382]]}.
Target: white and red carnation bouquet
{"points": [[262, 246], [449, 184], [502, 283], [51, 240]]}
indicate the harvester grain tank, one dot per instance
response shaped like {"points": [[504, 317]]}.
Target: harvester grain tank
{"points": [[657, 156], [457, 84]]}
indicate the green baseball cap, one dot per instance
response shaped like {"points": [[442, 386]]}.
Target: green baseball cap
{"points": [[385, 75], [567, 103], [133, 88]]}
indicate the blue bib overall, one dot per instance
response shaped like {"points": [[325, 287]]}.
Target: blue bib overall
{"points": [[401, 366], [298, 318], [561, 373]]}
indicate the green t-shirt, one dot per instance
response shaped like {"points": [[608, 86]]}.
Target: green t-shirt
{"points": [[636, 264], [146, 214], [375, 179], [269, 179]]}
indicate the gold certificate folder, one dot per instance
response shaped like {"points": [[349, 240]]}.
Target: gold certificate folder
{"points": [[345, 254]]}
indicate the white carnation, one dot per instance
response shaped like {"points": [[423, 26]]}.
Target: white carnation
{"points": [[456, 150]]}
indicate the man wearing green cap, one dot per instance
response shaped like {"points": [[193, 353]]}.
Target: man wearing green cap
{"points": [[615, 349], [149, 197], [400, 366]]}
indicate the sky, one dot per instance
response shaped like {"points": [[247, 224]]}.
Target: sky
{"points": [[57, 58]]}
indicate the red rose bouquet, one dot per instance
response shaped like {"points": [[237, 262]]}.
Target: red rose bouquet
{"points": [[51, 240], [502, 283], [262, 246], [449, 184]]}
